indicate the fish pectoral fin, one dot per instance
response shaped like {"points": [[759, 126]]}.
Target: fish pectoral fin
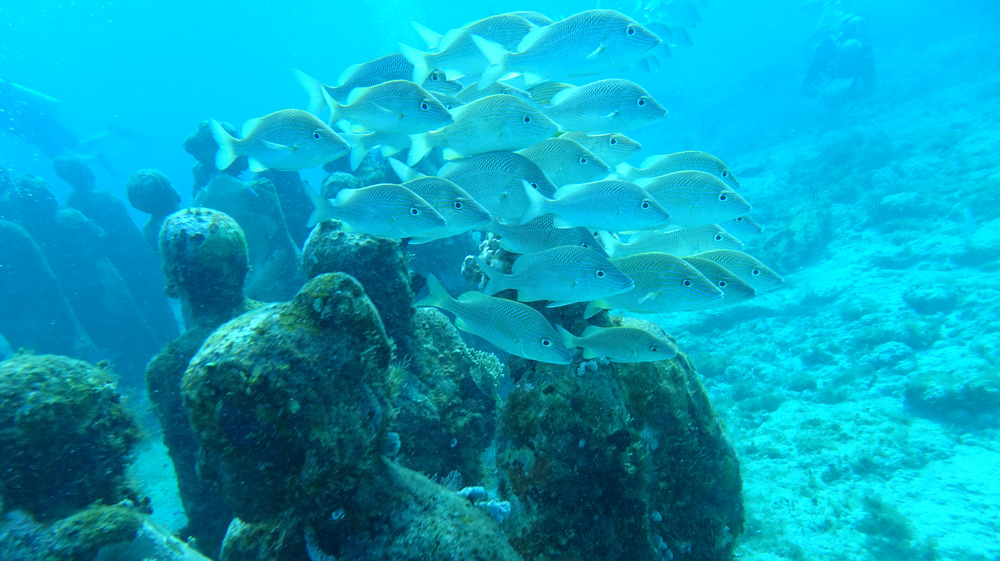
{"points": [[648, 296], [597, 52], [274, 145], [613, 114]]}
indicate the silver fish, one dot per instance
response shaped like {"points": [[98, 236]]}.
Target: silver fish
{"points": [[604, 106], [492, 123], [663, 283], [743, 226], [512, 326], [387, 210], [611, 148], [682, 242], [585, 43], [655, 166], [289, 139], [734, 289], [694, 198], [382, 69], [565, 162], [496, 180], [619, 344], [611, 204], [397, 106], [472, 92], [460, 211], [563, 275], [457, 53], [539, 235], [746, 267]]}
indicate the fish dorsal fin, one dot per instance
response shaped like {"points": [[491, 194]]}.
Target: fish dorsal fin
{"points": [[530, 38], [431, 38], [248, 126], [591, 330], [562, 95], [356, 94], [473, 296], [347, 73], [597, 52], [650, 161], [344, 196], [594, 308], [568, 190], [449, 39]]}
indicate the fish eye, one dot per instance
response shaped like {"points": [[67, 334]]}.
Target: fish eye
{"points": [[434, 77], [546, 343], [739, 219], [534, 186], [654, 348], [457, 205], [583, 159], [687, 282], [613, 141], [640, 102], [585, 244], [527, 119], [645, 205], [630, 30], [600, 274], [316, 135], [718, 237], [414, 211], [722, 197], [755, 272], [723, 284], [725, 173], [424, 106]]}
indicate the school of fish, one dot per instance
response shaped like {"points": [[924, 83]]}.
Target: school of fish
{"points": [[535, 162]]}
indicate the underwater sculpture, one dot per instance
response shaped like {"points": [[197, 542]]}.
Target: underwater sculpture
{"points": [[150, 191]]}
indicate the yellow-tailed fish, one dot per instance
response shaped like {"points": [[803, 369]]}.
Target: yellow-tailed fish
{"points": [[512, 326], [565, 161], [562, 275], [496, 180], [663, 283], [457, 53], [611, 148], [288, 140], [448, 101], [382, 69], [460, 211], [612, 204], [585, 43], [655, 166], [694, 198], [604, 106], [743, 226], [619, 344], [397, 106], [492, 123], [539, 235], [682, 242], [734, 289], [745, 266], [387, 210]]}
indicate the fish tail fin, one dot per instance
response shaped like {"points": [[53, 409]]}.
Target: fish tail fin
{"points": [[403, 171], [420, 147], [498, 61], [321, 207], [536, 204], [416, 57], [437, 296], [315, 90], [569, 340], [625, 172], [611, 244], [494, 278], [431, 37], [227, 145], [593, 308], [359, 147]]}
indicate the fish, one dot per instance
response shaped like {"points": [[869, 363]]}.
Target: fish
{"points": [[743, 226], [663, 283], [396, 106], [512, 326], [612, 204], [539, 235], [535, 18], [619, 344], [694, 198], [604, 106], [564, 161], [457, 53], [389, 144], [497, 181], [382, 69], [460, 211], [611, 148], [290, 139], [655, 166], [472, 92], [585, 43], [746, 267], [448, 101], [681, 242], [562, 275], [386, 210], [734, 290], [492, 123]]}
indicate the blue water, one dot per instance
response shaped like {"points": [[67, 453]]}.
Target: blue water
{"points": [[865, 203]]}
